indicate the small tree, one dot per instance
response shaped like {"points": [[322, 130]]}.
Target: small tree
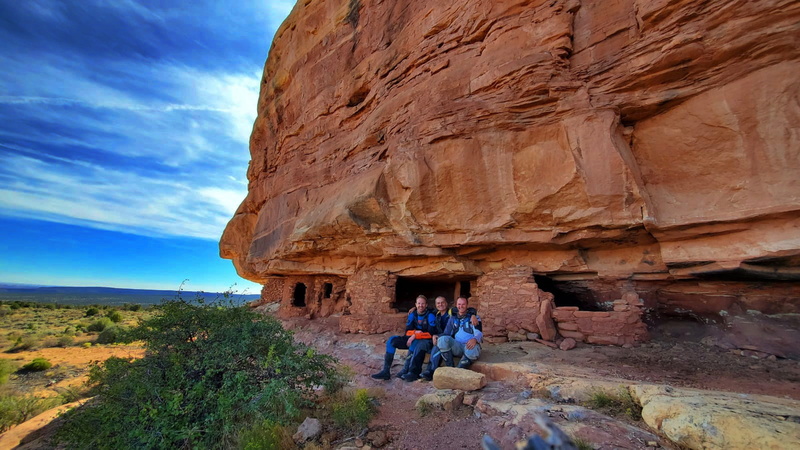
{"points": [[210, 371]]}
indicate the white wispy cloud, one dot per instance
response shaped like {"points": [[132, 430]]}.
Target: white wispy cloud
{"points": [[115, 200], [132, 140]]}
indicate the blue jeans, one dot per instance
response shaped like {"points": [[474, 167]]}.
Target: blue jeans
{"points": [[448, 344]]}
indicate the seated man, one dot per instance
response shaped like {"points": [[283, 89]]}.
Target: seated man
{"points": [[443, 314], [420, 328], [461, 337]]}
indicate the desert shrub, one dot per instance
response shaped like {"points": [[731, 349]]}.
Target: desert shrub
{"points": [[66, 341], [71, 394], [266, 435], [26, 342], [114, 315], [582, 444], [617, 403], [38, 365], [7, 367], [352, 410], [132, 307], [17, 409], [50, 342], [109, 336], [210, 371], [86, 344], [92, 311], [100, 324]]}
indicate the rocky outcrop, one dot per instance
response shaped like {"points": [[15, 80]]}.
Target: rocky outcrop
{"points": [[718, 420], [635, 145]]}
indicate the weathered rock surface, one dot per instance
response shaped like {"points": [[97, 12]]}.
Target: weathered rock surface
{"points": [[710, 420], [446, 400], [459, 379], [309, 429], [626, 145]]}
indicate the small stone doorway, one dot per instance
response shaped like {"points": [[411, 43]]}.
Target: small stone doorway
{"points": [[408, 288]]}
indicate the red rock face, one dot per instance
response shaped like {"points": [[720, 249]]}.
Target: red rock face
{"points": [[616, 144]]}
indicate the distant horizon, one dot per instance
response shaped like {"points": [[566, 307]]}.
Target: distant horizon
{"points": [[22, 286], [124, 138]]}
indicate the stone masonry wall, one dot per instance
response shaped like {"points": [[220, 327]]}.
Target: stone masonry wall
{"points": [[371, 293], [287, 309], [272, 290], [622, 326], [511, 305]]}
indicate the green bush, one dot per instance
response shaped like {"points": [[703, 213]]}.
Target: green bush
{"points": [[209, 372], [92, 311], [114, 315], [38, 365], [352, 411], [132, 307], [100, 324], [17, 409], [109, 336], [66, 341], [267, 435], [26, 342], [7, 367]]}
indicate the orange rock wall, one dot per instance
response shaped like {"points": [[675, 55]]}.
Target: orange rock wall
{"points": [[616, 144]]}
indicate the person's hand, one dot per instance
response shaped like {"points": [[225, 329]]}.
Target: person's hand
{"points": [[412, 310], [471, 343], [435, 339], [410, 340], [475, 321]]}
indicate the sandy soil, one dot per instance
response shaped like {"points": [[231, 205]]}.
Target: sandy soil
{"points": [[70, 366]]}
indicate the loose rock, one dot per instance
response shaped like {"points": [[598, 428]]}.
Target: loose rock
{"points": [[309, 429], [455, 378]]}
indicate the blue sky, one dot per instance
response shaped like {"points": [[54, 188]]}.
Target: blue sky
{"points": [[124, 131]]}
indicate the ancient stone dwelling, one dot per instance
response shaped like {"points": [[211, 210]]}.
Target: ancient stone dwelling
{"points": [[579, 169]]}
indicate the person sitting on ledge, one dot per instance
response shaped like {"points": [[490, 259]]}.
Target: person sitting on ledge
{"points": [[443, 315], [461, 337], [420, 328]]}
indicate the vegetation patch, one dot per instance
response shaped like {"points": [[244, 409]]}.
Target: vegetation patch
{"points": [[211, 372], [352, 410], [615, 403], [266, 435], [15, 409], [38, 365]]}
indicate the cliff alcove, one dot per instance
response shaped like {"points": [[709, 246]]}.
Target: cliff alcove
{"points": [[583, 169]]}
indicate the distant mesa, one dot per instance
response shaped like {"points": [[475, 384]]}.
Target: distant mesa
{"points": [[631, 162]]}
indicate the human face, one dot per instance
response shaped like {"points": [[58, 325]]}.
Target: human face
{"points": [[441, 304], [422, 305], [461, 304]]}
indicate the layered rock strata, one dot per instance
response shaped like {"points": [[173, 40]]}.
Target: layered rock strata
{"points": [[594, 147]]}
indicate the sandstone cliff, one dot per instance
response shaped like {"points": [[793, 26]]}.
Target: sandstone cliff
{"points": [[592, 147]]}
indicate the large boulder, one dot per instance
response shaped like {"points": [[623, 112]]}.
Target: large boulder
{"points": [[459, 379]]}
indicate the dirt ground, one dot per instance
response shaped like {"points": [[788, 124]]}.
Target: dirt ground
{"points": [[70, 367], [674, 356]]}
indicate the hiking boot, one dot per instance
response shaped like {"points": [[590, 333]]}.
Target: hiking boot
{"points": [[464, 363], [447, 357], [387, 365]]}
